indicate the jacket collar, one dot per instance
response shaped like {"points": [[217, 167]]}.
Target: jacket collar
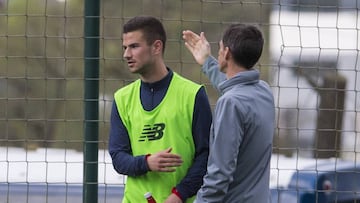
{"points": [[242, 78]]}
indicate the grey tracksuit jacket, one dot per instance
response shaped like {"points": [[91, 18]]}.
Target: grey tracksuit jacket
{"points": [[240, 139]]}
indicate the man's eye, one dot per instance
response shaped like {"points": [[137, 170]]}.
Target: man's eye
{"points": [[130, 46]]}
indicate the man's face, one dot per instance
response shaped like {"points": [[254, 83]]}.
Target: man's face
{"points": [[221, 57], [137, 52]]}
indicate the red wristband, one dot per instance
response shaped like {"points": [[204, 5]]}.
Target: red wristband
{"points": [[174, 191], [147, 164]]}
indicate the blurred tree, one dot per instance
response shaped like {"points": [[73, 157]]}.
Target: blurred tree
{"points": [[41, 60], [330, 110]]}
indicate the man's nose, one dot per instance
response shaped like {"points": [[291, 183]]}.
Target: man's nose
{"points": [[126, 54]]}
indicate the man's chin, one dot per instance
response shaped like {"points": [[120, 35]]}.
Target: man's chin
{"points": [[133, 69], [222, 69]]}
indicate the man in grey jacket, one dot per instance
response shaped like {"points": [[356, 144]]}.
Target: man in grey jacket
{"points": [[242, 131]]}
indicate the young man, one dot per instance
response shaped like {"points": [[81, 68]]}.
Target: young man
{"points": [[160, 123], [243, 124]]}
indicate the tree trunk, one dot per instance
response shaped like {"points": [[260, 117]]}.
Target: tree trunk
{"points": [[330, 116]]}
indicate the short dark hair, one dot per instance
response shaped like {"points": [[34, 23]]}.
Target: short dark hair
{"points": [[151, 27], [245, 43]]}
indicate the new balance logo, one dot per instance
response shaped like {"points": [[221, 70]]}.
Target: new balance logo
{"points": [[151, 133]]}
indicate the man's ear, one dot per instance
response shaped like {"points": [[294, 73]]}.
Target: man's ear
{"points": [[227, 53], [157, 46]]}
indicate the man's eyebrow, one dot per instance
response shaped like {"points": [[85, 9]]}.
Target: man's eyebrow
{"points": [[131, 45]]}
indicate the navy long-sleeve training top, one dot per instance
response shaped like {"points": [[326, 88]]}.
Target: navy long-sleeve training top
{"points": [[151, 95]]}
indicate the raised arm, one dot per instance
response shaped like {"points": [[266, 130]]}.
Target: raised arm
{"points": [[200, 48]]}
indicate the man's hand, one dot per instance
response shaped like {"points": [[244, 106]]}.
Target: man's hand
{"points": [[173, 199], [197, 45], [164, 161]]}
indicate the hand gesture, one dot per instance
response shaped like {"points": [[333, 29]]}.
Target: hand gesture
{"points": [[197, 45], [164, 161]]}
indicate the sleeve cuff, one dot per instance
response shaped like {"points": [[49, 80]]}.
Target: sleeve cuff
{"points": [[174, 191], [208, 60], [147, 165]]}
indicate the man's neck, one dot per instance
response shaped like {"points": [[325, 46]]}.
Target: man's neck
{"points": [[157, 73], [233, 70]]}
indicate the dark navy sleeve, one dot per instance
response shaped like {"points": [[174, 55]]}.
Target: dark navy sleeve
{"points": [[120, 149], [202, 119]]}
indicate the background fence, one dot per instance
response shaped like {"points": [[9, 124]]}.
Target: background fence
{"points": [[311, 60]]}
